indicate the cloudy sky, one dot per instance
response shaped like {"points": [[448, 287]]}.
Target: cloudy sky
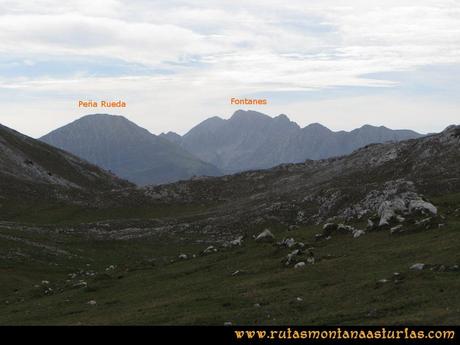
{"points": [[341, 63]]}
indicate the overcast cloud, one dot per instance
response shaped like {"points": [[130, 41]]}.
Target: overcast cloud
{"points": [[340, 63]]}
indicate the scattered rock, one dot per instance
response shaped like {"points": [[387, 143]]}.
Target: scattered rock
{"points": [[45, 282], [290, 257], [227, 323], [453, 268], [299, 299], [80, 284], [209, 250], [396, 229], [287, 242], [318, 237], [417, 267], [300, 264], [424, 221], [265, 236], [311, 260], [344, 229], [358, 233], [183, 257], [237, 242], [439, 268], [331, 228], [92, 302]]}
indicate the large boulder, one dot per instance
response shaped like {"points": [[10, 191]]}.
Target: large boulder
{"points": [[389, 209], [422, 206], [407, 204]]}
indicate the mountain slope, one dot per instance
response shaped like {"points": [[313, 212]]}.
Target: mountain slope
{"points": [[252, 140], [192, 256], [311, 192], [28, 165], [128, 150]]}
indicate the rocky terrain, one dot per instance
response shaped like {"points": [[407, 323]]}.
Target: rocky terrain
{"points": [[367, 238], [377, 180]]}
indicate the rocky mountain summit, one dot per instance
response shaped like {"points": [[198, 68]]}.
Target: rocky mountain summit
{"points": [[252, 140], [133, 153]]}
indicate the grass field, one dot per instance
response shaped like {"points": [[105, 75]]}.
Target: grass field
{"points": [[42, 269]]}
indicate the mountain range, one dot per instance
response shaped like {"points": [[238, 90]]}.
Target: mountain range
{"points": [[131, 152], [252, 140], [248, 140]]}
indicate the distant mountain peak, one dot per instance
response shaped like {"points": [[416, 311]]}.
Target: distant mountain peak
{"points": [[103, 116], [317, 126], [252, 140], [282, 117], [170, 133], [213, 119], [132, 152], [247, 114]]}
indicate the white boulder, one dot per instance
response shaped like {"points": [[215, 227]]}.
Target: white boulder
{"points": [[300, 264], [265, 235]]}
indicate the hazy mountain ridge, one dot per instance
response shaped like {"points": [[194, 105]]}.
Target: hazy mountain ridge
{"points": [[252, 140], [131, 152]]}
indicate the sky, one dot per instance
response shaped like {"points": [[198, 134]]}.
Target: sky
{"points": [[175, 63]]}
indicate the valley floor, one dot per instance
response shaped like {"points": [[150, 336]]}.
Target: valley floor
{"points": [[60, 275]]}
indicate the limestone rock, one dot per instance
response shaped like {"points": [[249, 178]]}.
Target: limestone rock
{"points": [[265, 236]]}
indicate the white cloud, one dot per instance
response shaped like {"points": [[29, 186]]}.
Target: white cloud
{"points": [[223, 49]]}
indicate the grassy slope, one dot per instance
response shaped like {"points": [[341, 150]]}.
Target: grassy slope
{"points": [[64, 214], [146, 288]]}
